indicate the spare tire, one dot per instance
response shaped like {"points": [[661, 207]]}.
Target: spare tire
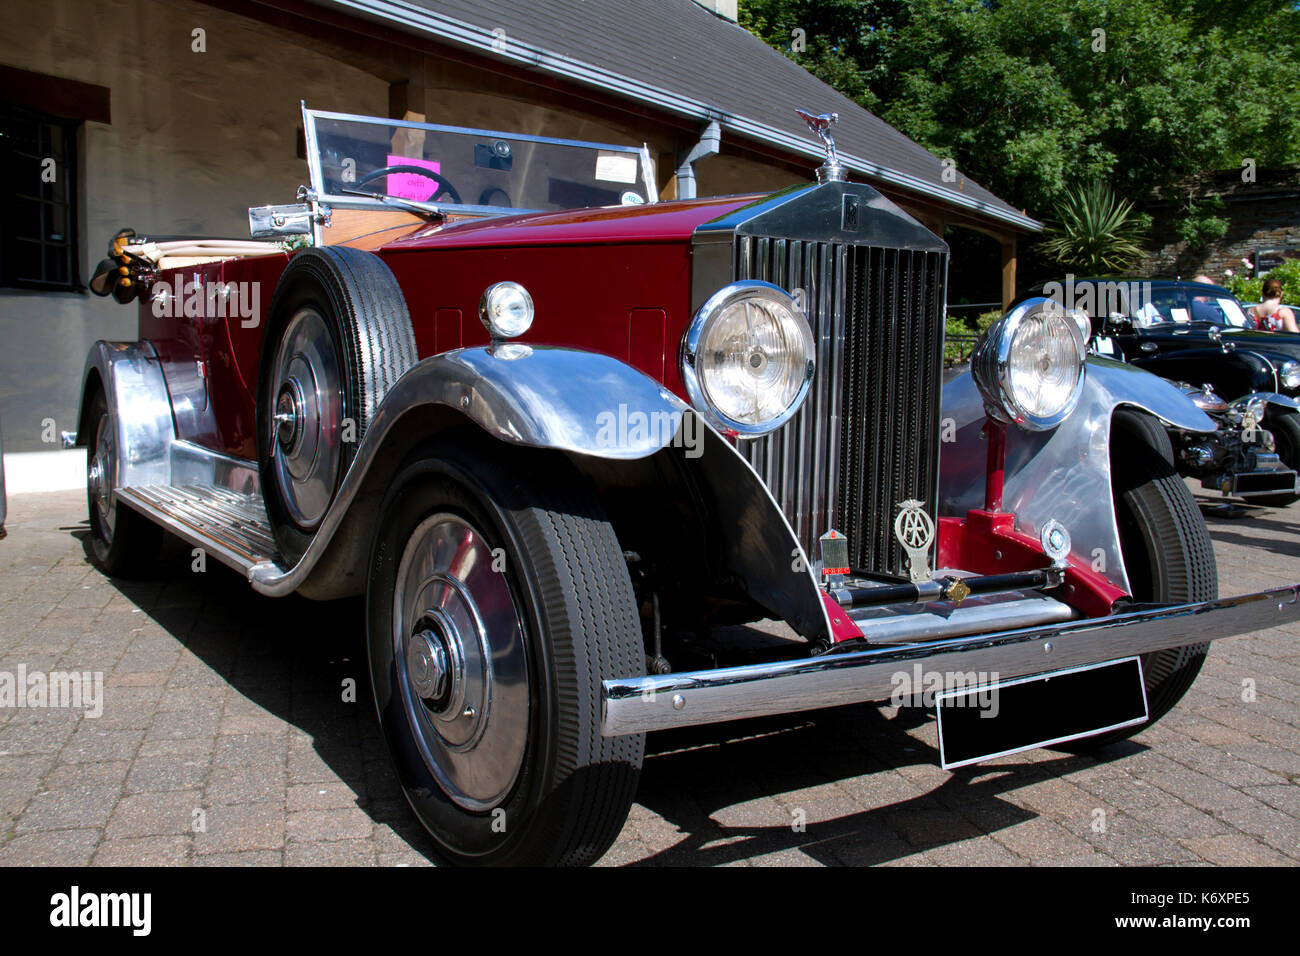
{"points": [[339, 336]]}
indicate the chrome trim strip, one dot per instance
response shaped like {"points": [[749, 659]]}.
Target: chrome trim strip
{"points": [[634, 705], [478, 38]]}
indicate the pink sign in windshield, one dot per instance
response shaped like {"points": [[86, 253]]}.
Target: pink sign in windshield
{"points": [[411, 185]]}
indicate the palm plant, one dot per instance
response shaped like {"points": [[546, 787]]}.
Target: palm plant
{"points": [[1094, 232]]}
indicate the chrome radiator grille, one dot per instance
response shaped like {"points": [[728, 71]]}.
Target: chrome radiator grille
{"points": [[867, 437]]}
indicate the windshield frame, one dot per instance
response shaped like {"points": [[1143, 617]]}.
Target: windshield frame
{"points": [[352, 201]]}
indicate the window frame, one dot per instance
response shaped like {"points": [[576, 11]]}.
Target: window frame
{"points": [[63, 192]]}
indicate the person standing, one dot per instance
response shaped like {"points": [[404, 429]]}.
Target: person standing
{"points": [[1271, 315]]}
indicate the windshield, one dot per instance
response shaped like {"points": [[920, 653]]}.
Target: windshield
{"points": [[357, 157], [1179, 306]]}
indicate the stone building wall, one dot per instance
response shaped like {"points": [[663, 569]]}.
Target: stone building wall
{"points": [[1263, 218]]}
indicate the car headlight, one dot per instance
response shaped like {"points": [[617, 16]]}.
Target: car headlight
{"points": [[748, 357], [1290, 375], [1029, 365], [506, 310]]}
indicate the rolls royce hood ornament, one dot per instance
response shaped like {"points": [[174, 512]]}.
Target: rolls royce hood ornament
{"points": [[820, 123]]}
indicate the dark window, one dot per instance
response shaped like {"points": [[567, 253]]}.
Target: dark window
{"points": [[38, 170]]}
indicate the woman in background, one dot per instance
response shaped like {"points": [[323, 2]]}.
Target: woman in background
{"points": [[1271, 315]]}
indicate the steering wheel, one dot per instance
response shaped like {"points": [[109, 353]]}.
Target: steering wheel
{"points": [[443, 185]]}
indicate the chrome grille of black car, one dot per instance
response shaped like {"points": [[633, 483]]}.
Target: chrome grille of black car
{"points": [[868, 436]]}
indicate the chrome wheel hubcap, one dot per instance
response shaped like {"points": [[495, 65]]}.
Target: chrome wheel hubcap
{"points": [[458, 645], [306, 427], [428, 664]]}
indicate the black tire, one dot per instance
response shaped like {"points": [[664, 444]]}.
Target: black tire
{"points": [[122, 542], [1169, 556], [1135, 426], [1285, 426], [352, 301], [572, 596]]}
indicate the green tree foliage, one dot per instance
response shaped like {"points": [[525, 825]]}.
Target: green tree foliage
{"points": [[1248, 288], [1029, 95], [962, 332], [1200, 222], [1094, 232]]}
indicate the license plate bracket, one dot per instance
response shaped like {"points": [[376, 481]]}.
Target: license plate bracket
{"points": [[998, 718]]}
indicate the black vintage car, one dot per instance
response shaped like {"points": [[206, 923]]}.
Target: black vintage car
{"points": [[1198, 335]]}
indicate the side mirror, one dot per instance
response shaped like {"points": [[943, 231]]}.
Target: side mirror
{"points": [[1215, 333]]}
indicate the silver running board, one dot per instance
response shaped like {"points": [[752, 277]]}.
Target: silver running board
{"points": [[230, 526]]}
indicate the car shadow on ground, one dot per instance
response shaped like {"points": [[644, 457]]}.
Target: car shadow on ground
{"points": [[699, 779], [294, 659], [301, 661], [1274, 529]]}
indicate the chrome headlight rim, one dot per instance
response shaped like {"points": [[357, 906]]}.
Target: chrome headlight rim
{"points": [[490, 301], [991, 365], [707, 313], [1252, 404], [1288, 374]]}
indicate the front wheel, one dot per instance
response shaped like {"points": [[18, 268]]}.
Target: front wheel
{"points": [[122, 543], [1285, 427], [1169, 556], [496, 605]]}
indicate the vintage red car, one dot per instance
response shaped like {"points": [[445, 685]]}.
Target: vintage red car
{"points": [[562, 435]]}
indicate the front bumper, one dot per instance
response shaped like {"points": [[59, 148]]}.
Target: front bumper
{"points": [[635, 705], [1268, 475]]}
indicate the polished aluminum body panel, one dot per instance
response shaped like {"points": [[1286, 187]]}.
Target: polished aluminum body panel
{"points": [[634, 704], [1063, 474], [139, 408]]}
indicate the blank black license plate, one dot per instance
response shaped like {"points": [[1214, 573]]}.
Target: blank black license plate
{"points": [[1006, 717]]}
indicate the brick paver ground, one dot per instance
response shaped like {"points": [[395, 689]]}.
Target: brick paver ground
{"points": [[226, 739]]}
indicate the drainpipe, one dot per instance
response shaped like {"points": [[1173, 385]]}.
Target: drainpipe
{"points": [[710, 139]]}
